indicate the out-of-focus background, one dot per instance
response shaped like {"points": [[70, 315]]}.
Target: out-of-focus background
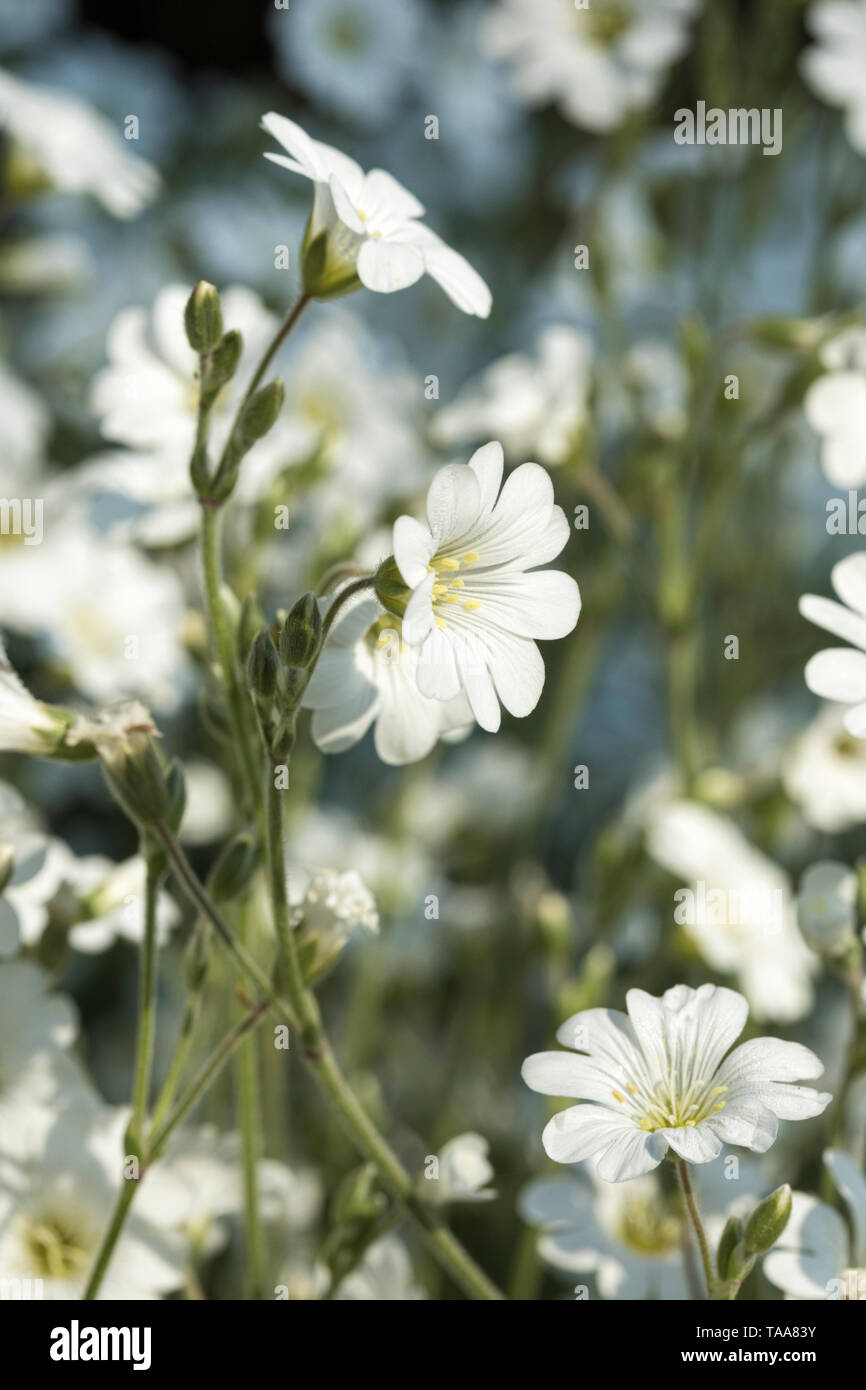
{"points": [[512, 889]]}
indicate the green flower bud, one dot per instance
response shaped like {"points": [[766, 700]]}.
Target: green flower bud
{"points": [[203, 318], [136, 776], [731, 1237], [262, 667], [222, 363], [768, 1221], [7, 866], [176, 783], [329, 262], [199, 471], [302, 633], [390, 588], [234, 868], [357, 1197], [260, 413]]}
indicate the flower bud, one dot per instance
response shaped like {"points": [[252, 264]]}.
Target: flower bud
{"points": [[7, 866], [260, 413], [302, 633], [731, 1237], [262, 667], [390, 588], [203, 318], [329, 259], [175, 781], [234, 868], [768, 1221], [222, 363], [357, 1197]]}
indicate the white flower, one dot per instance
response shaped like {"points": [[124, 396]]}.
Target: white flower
{"points": [[660, 378], [827, 905], [598, 63], [112, 617], [370, 225], [384, 1275], [37, 1074], [54, 1208], [835, 67], [737, 905], [825, 773], [341, 52], [838, 673], [464, 1169], [816, 1257], [835, 405], [75, 146], [478, 600], [367, 674], [26, 725], [327, 906], [658, 1077], [110, 904], [535, 405], [630, 1234]]}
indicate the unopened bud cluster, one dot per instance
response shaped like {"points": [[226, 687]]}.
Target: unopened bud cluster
{"points": [[278, 666]]}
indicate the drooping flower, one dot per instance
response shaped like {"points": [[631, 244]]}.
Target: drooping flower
{"points": [[838, 673], [366, 675], [816, 1256], [478, 599], [26, 725], [658, 1077], [598, 63], [363, 228]]}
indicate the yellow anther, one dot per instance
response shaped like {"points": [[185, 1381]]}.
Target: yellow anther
{"points": [[720, 1106], [446, 563], [719, 1090], [471, 603], [617, 1095], [456, 583], [440, 622], [439, 590], [470, 557], [630, 1087], [451, 598]]}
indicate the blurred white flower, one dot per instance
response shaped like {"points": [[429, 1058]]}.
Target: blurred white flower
{"points": [[37, 1073], [835, 65], [464, 1170], [630, 1235], [75, 147], [835, 403], [340, 52], [383, 1276], [827, 906], [824, 772], [659, 376], [54, 1207], [535, 405], [818, 1256], [209, 810], [370, 228], [838, 673], [109, 902], [741, 913], [367, 674], [478, 600], [659, 1077], [111, 616], [327, 906], [598, 63], [25, 424]]}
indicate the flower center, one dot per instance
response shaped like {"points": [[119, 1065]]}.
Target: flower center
{"points": [[846, 746], [671, 1103], [58, 1246], [449, 584], [604, 25]]}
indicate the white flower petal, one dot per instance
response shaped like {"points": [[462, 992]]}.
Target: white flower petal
{"points": [[413, 547], [695, 1143], [848, 578], [487, 464], [582, 1131], [387, 266], [837, 673], [631, 1155], [833, 617], [453, 503]]}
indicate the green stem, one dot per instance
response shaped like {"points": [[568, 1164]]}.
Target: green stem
{"points": [[146, 1009], [697, 1225], [125, 1198], [274, 346], [250, 1118]]}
